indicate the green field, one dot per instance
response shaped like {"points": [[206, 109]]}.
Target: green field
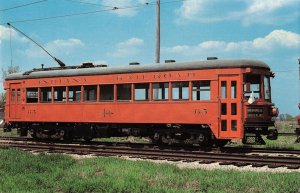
{"points": [[25, 172]]}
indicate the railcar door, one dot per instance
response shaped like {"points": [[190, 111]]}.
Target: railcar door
{"points": [[230, 125], [15, 101]]}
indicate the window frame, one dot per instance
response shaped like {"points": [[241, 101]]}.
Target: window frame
{"points": [[146, 91], [102, 93], [86, 93], [180, 91], [37, 96], [200, 90], [58, 99], [165, 91], [41, 96]]}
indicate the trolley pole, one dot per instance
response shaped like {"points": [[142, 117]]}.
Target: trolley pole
{"points": [[157, 46]]}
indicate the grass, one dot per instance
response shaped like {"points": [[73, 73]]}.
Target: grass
{"points": [[129, 139], [13, 133], [25, 172]]}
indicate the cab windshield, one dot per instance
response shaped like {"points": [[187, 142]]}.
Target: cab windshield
{"points": [[254, 84], [267, 88]]}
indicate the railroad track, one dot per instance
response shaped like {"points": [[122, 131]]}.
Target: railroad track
{"points": [[291, 162], [241, 150]]}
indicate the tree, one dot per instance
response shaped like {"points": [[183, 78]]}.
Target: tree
{"points": [[5, 73], [9, 70], [286, 117]]}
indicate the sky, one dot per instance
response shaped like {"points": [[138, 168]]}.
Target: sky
{"points": [[122, 31]]}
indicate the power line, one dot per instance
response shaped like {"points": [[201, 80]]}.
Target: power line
{"points": [[23, 5], [56, 17], [73, 14], [115, 8], [88, 3]]}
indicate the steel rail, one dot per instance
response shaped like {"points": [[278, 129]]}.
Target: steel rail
{"points": [[223, 158], [241, 150]]}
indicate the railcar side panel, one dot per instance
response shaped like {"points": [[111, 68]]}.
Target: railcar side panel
{"points": [[209, 112]]}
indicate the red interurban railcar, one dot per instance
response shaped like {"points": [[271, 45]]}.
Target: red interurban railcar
{"points": [[205, 102]]}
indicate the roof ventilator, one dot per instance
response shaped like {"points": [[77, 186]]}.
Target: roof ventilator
{"points": [[170, 61], [87, 65], [134, 63], [212, 58]]}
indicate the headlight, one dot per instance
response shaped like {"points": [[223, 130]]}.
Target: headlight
{"points": [[274, 111]]}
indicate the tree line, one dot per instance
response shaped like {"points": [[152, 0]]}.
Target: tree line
{"points": [[5, 73]]}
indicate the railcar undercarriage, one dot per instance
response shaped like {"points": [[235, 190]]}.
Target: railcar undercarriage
{"points": [[171, 134]]}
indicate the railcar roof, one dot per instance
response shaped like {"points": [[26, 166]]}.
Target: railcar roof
{"points": [[176, 66]]}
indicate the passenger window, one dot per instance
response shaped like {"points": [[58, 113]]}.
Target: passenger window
{"points": [[59, 94], [13, 95], [46, 95], [201, 90], [233, 109], [74, 93], [124, 92], [31, 95], [90, 93], [141, 92], [223, 90], [160, 91], [233, 89], [267, 87], [233, 125], [223, 125], [180, 90], [107, 92], [224, 108], [18, 95]]}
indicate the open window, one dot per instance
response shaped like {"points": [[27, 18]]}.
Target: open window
{"points": [[31, 95], [107, 93], [141, 92], [46, 95], [124, 92], [160, 91], [90, 93], [60, 94], [74, 93]]}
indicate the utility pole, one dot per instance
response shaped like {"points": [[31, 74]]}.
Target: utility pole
{"points": [[299, 88], [157, 45], [299, 67]]}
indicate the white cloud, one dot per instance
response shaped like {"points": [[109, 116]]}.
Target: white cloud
{"points": [[64, 45], [122, 6], [128, 47], [246, 11], [203, 11], [6, 33], [278, 38], [56, 47], [275, 40], [259, 6]]}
